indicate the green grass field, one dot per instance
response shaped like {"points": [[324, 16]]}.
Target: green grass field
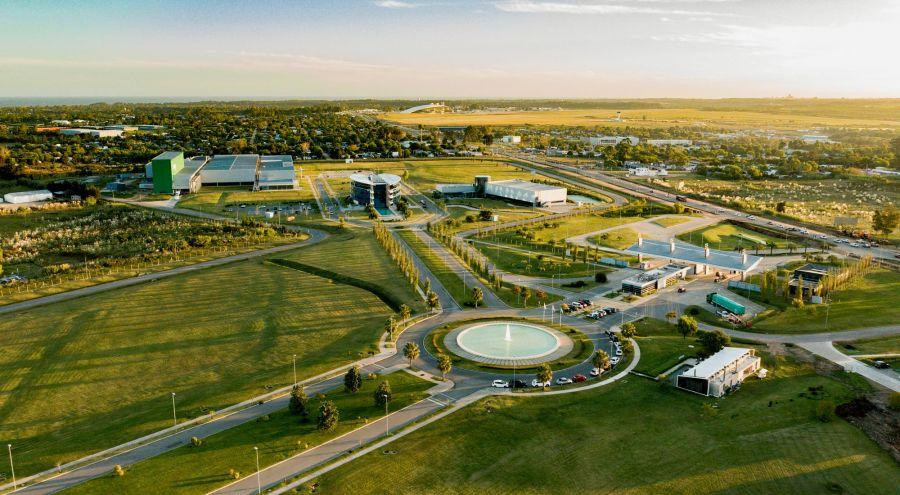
{"points": [[868, 303], [214, 200], [197, 470], [536, 264], [449, 279], [884, 345], [670, 221], [86, 374], [616, 239], [661, 346], [727, 237], [636, 437]]}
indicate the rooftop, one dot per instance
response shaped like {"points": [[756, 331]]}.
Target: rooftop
{"points": [[694, 254], [369, 179], [655, 274], [168, 155], [233, 162], [182, 179], [523, 184], [713, 364]]}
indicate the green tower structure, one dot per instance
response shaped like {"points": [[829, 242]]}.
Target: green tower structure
{"points": [[165, 166]]}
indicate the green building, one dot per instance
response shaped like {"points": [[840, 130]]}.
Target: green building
{"points": [[164, 167]]}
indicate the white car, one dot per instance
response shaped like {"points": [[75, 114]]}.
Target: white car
{"points": [[595, 372], [618, 351], [614, 360], [500, 384], [563, 381], [535, 383]]}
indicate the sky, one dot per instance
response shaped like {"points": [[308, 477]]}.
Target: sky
{"points": [[450, 48]]}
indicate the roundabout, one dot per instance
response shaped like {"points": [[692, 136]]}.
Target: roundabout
{"points": [[508, 343]]}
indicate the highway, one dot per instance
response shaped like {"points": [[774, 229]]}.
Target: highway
{"points": [[720, 211]]}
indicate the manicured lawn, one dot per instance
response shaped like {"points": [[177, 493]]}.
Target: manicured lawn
{"points": [[198, 470], [536, 264], [425, 174], [670, 221], [560, 230], [884, 345], [727, 237], [616, 239], [661, 346], [867, 303], [214, 200], [636, 437], [448, 278], [89, 373]]}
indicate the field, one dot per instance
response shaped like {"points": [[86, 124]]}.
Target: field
{"points": [[651, 117], [616, 239], [867, 303], [449, 279], [817, 201], [559, 230], [198, 470], [729, 237], [635, 437], [86, 374], [670, 221], [536, 264], [214, 200], [884, 345], [661, 346]]}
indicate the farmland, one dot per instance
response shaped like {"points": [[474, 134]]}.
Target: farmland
{"points": [[764, 439], [90, 373], [192, 470]]}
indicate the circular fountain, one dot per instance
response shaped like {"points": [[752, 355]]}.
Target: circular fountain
{"points": [[508, 343]]}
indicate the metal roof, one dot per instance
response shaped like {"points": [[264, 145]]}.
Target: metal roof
{"points": [[369, 179], [233, 162], [168, 155], [525, 185], [728, 260], [192, 166], [715, 363]]}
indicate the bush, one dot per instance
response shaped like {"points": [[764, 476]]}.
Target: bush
{"points": [[119, 470], [694, 311], [234, 474], [600, 278], [196, 442]]}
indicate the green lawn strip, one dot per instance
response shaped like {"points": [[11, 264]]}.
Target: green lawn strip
{"points": [[581, 350], [728, 236], [764, 438], [881, 345], [661, 346], [536, 264], [867, 303], [616, 239], [448, 278], [670, 221], [197, 470], [705, 316], [87, 374]]}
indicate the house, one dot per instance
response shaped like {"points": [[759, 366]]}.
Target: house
{"points": [[720, 373]]}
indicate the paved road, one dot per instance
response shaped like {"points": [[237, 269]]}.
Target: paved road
{"points": [[315, 236], [886, 378], [490, 299], [330, 450]]}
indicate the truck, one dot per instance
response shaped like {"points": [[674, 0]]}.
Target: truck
{"points": [[723, 302]]}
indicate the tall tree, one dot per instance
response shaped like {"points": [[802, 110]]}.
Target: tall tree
{"points": [[629, 330], [432, 300], [352, 380], [686, 326], [886, 219], [382, 394], [601, 359], [445, 364], [713, 342], [329, 416], [411, 351], [477, 296], [298, 402], [545, 374], [405, 312]]}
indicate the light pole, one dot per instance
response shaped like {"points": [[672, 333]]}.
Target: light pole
{"points": [[387, 420], [11, 468], [174, 417], [258, 484], [294, 365]]}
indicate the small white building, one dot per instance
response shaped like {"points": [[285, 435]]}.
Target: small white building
{"points": [[527, 192], [670, 142], [815, 138], [101, 133], [720, 373], [610, 140], [647, 172], [511, 139], [28, 196]]}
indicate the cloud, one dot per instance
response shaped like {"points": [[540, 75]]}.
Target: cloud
{"points": [[580, 8], [395, 4]]}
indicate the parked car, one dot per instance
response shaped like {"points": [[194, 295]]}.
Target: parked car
{"points": [[536, 383], [563, 380], [595, 372], [578, 378], [614, 360], [500, 384], [518, 384], [618, 351], [881, 365], [682, 290]]}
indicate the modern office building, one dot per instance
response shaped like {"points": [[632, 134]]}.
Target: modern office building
{"points": [[516, 190], [165, 166], [276, 172], [171, 172], [718, 374], [378, 190], [808, 276], [651, 281]]}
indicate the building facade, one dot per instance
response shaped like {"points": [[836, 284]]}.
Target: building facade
{"points": [[377, 190], [720, 373]]}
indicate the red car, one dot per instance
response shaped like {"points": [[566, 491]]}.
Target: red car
{"points": [[579, 378]]}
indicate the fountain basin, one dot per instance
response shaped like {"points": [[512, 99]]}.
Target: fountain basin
{"points": [[508, 343]]}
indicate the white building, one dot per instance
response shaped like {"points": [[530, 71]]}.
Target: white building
{"points": [[647, 172], [527, 192], [718, 374], [101, 133], [610, 140], [276, 172], [225, 170], [815, 138], [670, 142], [511, 139], [28, 196]]}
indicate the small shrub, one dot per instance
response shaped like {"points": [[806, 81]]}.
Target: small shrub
{"points": [[119, 470], [196, 442], [234, 474], [694, 311]]}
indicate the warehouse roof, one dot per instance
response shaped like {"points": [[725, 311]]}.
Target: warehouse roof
{"points": [[182, 179], [526, 185], [715, 363], [694, 254], [369, 179], [167, 155], [233, 162]]}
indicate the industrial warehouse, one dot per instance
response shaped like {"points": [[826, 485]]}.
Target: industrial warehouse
{"points": [[172, 173], [515, 190]]}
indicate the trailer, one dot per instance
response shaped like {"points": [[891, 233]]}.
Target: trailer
{"points": [[723, 302]]}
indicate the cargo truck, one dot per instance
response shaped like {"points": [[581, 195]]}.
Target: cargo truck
{"points": [[723, 302]]}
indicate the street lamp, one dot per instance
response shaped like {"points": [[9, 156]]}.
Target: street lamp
{"points": [[11, 468], [258, 484], [174, 417], [387, 420], [294, 363]]}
